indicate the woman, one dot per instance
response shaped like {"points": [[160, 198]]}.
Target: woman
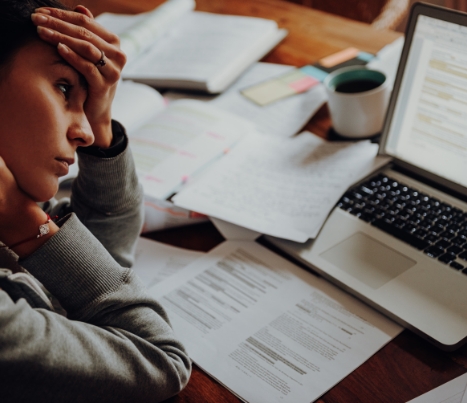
{"points": [[58, 73]]}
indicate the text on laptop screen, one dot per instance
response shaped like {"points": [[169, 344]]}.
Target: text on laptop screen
{"points": [[429, 124]]}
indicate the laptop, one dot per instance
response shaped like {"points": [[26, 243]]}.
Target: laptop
{"points": [[398, 239]]}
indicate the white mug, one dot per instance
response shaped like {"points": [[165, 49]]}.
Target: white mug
{"points": [[359, 113]]}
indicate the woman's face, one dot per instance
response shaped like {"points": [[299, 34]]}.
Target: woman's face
{"points": [[42, 119]]}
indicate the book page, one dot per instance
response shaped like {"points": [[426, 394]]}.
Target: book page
{"points": [[135, 104], [180, 141], [266, 329], [199, 47], [138, 32], [156, 262], [283, 118], [279, 187]]}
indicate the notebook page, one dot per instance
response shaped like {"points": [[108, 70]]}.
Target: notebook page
{"points": [[199, 46], [138, 32], [181, 140], [279, 187]]}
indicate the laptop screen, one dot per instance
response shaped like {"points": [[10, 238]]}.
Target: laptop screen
{"points": [[428, 128]]}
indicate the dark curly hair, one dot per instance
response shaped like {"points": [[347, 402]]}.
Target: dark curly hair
{"points": [[16, 27]]}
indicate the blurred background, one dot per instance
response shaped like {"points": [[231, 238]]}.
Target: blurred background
{"points": [[382, 14]]}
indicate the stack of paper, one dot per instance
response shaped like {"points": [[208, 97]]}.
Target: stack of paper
{"points": [[266, 329]]}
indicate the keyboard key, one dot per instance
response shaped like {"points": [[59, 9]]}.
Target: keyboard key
{"points": [[431, 238], [447, 257], [458, 240], [463, 255], [446, 235], [454, 249], [456, 266], [442, 223], [433, 251], [443, 243], [366, 217]]}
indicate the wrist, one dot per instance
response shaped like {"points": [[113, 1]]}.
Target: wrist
{"points": [[27, 235], [102, 134]]}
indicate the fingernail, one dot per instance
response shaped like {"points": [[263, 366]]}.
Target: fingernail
{"points": [[42, 10], [62, 47], [45, 31], [39, 18]]}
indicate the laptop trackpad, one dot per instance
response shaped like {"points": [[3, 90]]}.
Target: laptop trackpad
{"points": [[368, 260]]}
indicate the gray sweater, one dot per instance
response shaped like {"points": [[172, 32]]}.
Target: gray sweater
{"points": [[116, 343]]}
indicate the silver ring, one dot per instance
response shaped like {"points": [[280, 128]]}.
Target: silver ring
{"points": [[101, 62]]}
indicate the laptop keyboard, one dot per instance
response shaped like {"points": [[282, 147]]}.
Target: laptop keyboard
{"points": [[424, 222]]}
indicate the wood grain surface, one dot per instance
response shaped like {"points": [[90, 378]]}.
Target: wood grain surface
{"points": [[408, 366]]}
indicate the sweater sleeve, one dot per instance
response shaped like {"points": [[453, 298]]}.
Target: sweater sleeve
{"points": [[107, 198], [116, 344]]}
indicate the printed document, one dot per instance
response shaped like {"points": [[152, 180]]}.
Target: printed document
{"points": [[450, 392], [155, 261], [284, 187], [267, 329]]}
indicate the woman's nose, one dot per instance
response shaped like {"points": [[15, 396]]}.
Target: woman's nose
{"points": [[80, 131]]}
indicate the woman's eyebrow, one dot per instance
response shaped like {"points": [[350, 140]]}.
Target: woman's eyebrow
{"points": [[82, 81]]}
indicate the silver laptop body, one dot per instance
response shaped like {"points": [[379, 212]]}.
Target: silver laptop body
{"points": [[425, 133]]}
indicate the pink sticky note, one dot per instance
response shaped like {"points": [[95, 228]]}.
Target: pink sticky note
{"points": [[304, 84]]}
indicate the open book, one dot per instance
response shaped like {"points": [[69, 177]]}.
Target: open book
{"points": [[176, 47], [170, 143]]}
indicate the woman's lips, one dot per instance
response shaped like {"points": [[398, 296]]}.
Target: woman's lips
{"points": [[64, 163]]}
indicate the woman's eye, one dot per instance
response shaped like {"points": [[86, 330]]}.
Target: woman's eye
{"points": [[65, 89]]}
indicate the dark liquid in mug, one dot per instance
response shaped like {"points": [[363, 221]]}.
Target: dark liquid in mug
{"points": [[354, 86]]}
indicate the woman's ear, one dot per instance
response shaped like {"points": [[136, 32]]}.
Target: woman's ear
{"points": [[83, 10]]}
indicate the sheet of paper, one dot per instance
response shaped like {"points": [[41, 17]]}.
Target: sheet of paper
{"points": [[283, 118], [156, 262], [180, 141], [163, 214], [450, 392], [279, 187], [233, 232], [266, 329], [387, 60], [190, 50]]}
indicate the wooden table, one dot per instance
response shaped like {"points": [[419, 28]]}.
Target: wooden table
{"points": [[408, 366]]}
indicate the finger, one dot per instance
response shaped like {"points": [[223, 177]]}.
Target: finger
{"points": [[82, 20], [55, 24], [83, 10], [85, 48], [95, 76]]}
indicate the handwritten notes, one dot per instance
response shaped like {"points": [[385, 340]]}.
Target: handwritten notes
{"points": [[179, 141], [280, 187]]}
